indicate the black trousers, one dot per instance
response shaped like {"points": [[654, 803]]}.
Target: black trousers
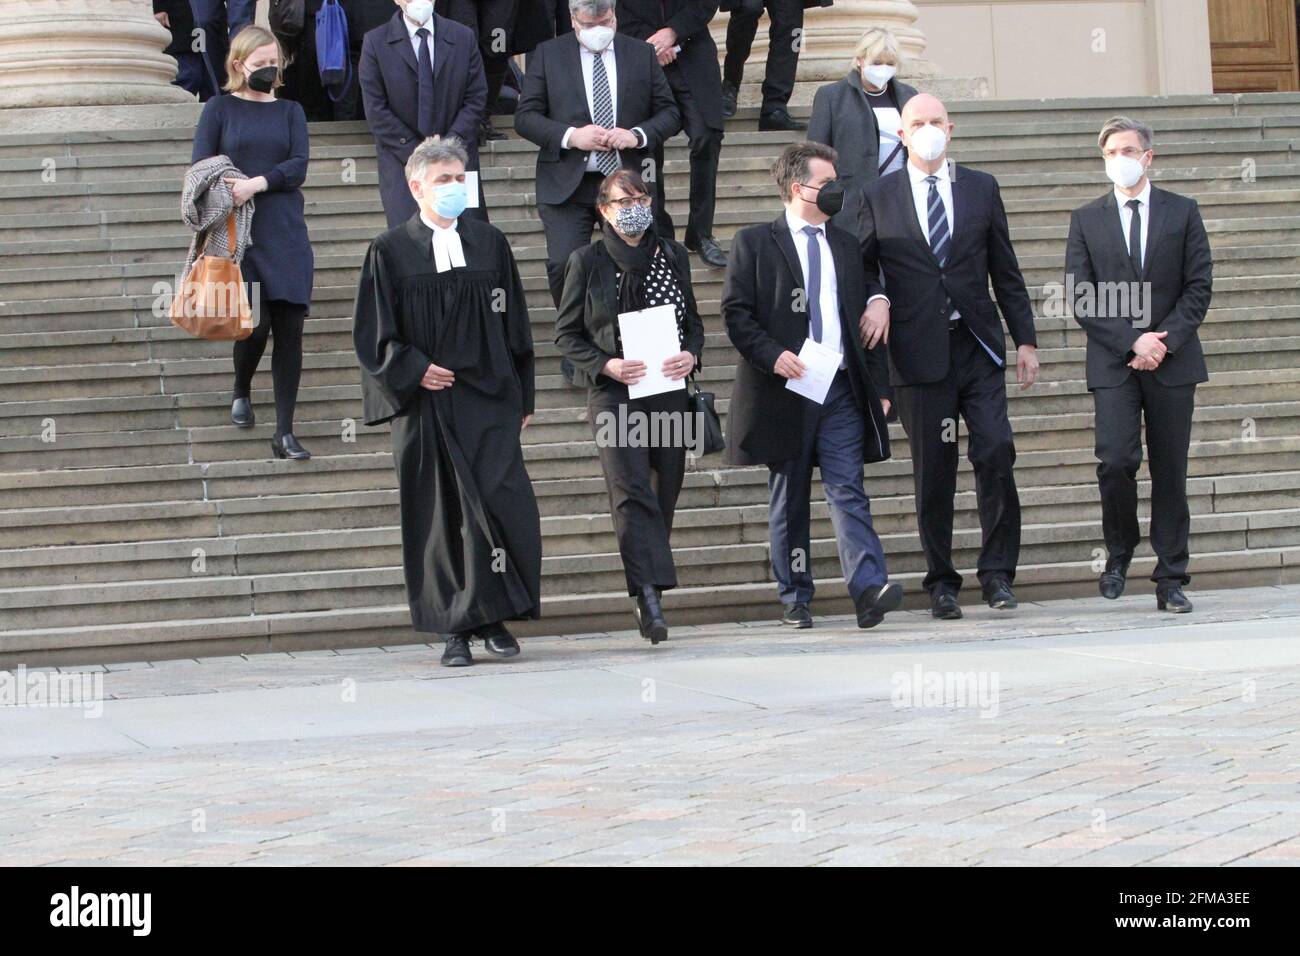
{"points": [[975, 388], [1168, 413], [568, 227], [785, 17], [284, 320], [643, 482], [706, 147]]}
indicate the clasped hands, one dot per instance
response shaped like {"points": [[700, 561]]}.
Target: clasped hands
{"points": [[1149, 351], [664, 41], [601, 140]]}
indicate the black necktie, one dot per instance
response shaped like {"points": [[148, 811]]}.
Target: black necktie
{"points": [[424, 84], [1135, 236]]}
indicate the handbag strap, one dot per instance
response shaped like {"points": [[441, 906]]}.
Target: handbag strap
{"points": [[230, 237]]}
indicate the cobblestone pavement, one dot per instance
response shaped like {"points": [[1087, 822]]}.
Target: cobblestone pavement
{"points": [[1078, 731]]}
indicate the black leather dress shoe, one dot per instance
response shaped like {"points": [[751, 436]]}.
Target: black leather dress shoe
{"points": [[729, 94], [797, 615], [1173, 600], [875, 602], [999, 595], [1111, 582], [457, 652], [709, 251], [780, 120], [241, 413], [286, 446], [944, 606], [650, 615], [497, 640]]}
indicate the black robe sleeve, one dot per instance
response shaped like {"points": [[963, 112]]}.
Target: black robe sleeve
{"points": [[519, 330], [391, 368]]}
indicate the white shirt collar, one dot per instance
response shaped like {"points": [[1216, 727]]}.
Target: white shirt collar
{"points": [[447, 249], [797, 225], [411, 27], [1144, 197], [918, 176]]}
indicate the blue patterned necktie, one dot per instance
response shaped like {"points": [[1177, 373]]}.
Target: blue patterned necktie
{"points": [[603, 114], [814, 290]]}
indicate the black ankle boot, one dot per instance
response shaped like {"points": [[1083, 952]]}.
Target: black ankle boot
{"points": [[650, 615]]}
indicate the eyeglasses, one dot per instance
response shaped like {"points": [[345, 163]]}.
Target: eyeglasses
{"points": [[628, 202]]}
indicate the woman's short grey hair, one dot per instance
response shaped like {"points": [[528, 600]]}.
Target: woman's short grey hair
{"points": [[1122, 124], [434, 150], [591, 8]]}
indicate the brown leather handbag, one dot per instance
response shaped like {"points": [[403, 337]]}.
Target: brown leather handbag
{"points": [[212, 302]]}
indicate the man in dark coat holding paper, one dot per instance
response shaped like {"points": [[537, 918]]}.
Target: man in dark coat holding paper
{"points": [[441, 331], [795, 280]]}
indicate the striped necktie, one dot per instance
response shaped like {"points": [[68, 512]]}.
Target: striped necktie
{"points": [[938, 222]]}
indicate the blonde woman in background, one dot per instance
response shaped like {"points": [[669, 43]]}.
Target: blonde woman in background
{"points": [[861, 116], [266, 139]]}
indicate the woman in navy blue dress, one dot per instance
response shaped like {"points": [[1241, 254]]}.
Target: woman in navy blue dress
{"points": [[266, 139]]}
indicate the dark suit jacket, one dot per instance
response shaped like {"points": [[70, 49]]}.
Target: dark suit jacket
{"points": [[842, 117], [554, 98], [897, 249], [388, 87], [758, 296], [587, 317], [696, 68], [1180, 272]]}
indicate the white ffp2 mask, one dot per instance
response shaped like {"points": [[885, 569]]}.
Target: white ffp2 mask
{"points": [[929, 142]]}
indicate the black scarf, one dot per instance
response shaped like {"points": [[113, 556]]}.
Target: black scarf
{"points": [[633, 262]]}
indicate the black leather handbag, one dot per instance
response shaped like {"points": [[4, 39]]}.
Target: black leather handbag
{"points": [[701, 405]]}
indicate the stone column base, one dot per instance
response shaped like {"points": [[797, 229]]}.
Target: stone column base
{"points": [[84, 53]]}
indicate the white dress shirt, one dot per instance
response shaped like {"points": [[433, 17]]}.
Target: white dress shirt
{"points": [[921, 196], [447, 250], [415, 40], [1126, 215], [828, 289], [611, 73]]}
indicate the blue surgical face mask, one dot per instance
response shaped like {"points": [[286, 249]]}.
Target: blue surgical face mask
{"points": [[450, 199]]}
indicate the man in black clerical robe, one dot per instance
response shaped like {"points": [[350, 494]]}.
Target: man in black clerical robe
{"points": [[442, 334]]}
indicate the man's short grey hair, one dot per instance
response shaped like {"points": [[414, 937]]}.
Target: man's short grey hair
{"points": [[434, 150], [591, 8], [1121, 124]]}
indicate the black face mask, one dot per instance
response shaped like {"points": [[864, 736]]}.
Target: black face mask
{"points": [[263, 80], [830, 198]]}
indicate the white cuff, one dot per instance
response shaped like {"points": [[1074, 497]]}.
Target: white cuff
{"points": [[564, 143], [878, 295]]}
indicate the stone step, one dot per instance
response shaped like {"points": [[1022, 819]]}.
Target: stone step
{"points": [[365, 215], [309, 501], [262, 550], [334, 403], [389, 625], [513, 163], [717, 564], [331, 157]]}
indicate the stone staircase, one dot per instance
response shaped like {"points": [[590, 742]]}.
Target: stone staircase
{"points": [[136, 523]]}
